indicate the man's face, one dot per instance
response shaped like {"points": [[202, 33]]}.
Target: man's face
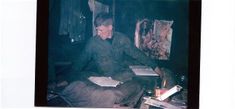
{"points": [[104, 31]]}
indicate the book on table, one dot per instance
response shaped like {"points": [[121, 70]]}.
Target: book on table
{"points": [[104, 81], [143, 70]]}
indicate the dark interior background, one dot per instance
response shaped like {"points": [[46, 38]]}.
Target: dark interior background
{"points": [[126, 13]]}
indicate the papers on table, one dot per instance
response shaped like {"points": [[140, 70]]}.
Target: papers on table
{"points": [[104, 81], [159, 101], [143, 70], [170, 92], [160, 104]]}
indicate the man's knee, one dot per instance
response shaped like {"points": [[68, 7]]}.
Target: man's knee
{"points": [[104, 98]]}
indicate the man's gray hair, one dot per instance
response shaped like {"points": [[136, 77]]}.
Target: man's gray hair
{"points": [[103, 19]]}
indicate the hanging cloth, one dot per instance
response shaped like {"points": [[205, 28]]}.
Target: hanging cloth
{"points": [[72, 21]]}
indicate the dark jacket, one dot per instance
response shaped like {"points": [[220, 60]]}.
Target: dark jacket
{"points": [[108, 56]]}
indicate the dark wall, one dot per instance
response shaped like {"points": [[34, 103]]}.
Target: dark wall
{"points": [[128, 12], [60, 46]]}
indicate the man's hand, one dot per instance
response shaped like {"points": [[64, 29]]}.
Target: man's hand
{"points": [[62, 84], [159, 72]]}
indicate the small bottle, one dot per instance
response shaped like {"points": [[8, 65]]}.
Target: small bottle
{"points": [[157, 92]]}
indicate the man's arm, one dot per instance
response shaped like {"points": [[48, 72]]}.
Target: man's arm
{"points": [[80, 62], [135, 53]]}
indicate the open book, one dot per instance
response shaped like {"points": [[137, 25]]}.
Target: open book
{"points": [[104, 81], [143, 70]]}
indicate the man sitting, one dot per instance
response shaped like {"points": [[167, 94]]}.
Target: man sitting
{"points": [[105, 53]]}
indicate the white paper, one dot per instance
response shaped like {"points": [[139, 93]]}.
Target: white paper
{"points": [[143, 70], [104, 81], [170, 92], [160, 104]]}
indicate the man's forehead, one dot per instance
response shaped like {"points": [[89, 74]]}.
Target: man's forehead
{"points": [[102, 27]]}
